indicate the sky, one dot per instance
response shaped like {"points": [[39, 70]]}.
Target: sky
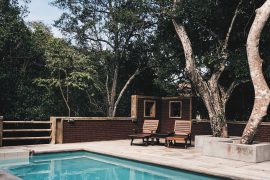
{"points": [[41, 10]]}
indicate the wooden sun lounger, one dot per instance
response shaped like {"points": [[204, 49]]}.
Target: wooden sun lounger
{"points": [[182, 133], [149, 127]]}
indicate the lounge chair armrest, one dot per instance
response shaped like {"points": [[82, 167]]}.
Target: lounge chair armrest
{"points": [[170, 132], [183, 134], [137, 130]]}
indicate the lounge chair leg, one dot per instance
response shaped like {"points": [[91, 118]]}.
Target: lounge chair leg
{"points": [[147, 141], [131, 143], [152, 141], [185, 143], [170, 143]]}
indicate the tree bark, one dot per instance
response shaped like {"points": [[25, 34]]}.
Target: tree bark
{"points": [[262, 91], [209, 91], [113, 91], [123, 90], [213, 95]]}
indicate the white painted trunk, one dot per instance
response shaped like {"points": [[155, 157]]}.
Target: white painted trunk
{"points": [[262, 92]]}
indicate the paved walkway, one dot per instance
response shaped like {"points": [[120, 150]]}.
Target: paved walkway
{"points": [[188, 159]]}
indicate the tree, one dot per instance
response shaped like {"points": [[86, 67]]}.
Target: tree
{"points": [[110, 29], [20, 62], [167, 61], [68, 68], [262, 91], [213, 94]]}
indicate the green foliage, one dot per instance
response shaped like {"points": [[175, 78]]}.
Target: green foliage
{"points": [[117, 32], [109, 34], [22, 60], [67, 68], [167, 61]]}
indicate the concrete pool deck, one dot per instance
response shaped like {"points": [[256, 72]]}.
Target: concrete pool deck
{"points": [[187, 159]]}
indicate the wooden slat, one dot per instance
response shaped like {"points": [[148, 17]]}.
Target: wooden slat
{"points": [[26, 138], [182, 127], [27, 122], [150, 125], [27, 130]]}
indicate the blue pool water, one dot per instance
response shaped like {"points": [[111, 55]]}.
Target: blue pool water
{"points": [[90, 166]]}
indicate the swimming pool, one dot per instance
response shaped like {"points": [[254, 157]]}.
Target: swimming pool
{"points": [[86, 165]]}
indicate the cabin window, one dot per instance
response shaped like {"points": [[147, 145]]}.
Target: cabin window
{"points": [[149, 108], [175, 109]]}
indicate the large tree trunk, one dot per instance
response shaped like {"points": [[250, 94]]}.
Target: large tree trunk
{"points": [[216, 111], [217, 118], [262, 92], [214, 96]]}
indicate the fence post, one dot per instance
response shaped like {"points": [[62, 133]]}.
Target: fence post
{"points": [[1, 131], [53, 129]]}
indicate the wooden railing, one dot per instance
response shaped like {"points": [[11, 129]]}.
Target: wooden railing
{"points": [[13, 132]]}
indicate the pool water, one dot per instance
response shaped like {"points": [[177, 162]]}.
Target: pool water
{"points": [[91, 166]]}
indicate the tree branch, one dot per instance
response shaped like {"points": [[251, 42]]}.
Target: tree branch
{"points": [[181, 32], [137, 72], [232, 87], [100, 40], [196, 79], [224, 54], [62, 93], [107, 88], [208, 30], [236, 12], [95, 104], [222, 90]]}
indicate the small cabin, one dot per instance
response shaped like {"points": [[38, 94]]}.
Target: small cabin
{"points": [[164, 109]]}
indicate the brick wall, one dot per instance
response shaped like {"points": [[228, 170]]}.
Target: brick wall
{"points": [[96, 130], [234, 128], [101, 130]]}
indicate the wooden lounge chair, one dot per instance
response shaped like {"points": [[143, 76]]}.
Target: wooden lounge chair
{"points": [[149, 127], [182, 133]]}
